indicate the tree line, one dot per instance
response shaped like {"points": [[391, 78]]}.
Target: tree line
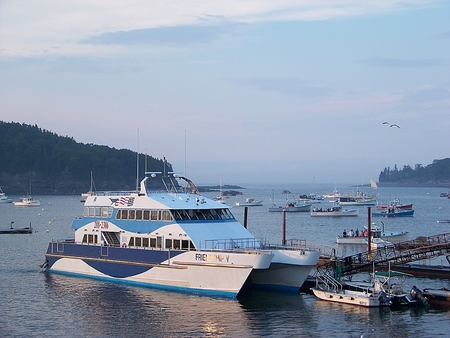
{"points": [[436, 173], [54, 164]]}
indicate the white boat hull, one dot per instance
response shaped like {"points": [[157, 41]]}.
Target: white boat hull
{"points": [[288, 270], [349, 297], [210, 272]]}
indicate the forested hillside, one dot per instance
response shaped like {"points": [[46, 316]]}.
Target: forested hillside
{"points": [[436, 173], [60, 165]]}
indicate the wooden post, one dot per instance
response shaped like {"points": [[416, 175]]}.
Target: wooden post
{"points": [[369, 229], [245, 216]]}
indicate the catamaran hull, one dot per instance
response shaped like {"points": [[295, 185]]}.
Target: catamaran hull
{"points": [[209, 272], [288, 270]]}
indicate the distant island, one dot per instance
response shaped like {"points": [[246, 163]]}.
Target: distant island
{"points": [[230, 190], [37, 159], [435, 174]]}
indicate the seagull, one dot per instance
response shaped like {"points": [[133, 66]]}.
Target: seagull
{"points": [[391, 125]]}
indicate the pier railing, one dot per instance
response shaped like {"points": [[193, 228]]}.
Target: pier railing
{"points": [[417, 249]]}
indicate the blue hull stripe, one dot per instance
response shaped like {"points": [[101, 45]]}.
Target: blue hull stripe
{"points": [[112, 261]]}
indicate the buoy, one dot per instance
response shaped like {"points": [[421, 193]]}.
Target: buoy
{"points": [[49, 223]]}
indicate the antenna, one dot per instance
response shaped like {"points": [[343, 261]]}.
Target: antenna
{"points": [[137, 162]]}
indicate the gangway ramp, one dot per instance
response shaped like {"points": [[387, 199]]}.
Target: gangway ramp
{"points": [[417, 249]]}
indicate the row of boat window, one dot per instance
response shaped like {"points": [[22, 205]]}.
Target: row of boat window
{"points": [[159, 215], [202, 214], [146, 242], [156, 242]]}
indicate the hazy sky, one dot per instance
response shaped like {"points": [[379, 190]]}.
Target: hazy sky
{"points": [[239, 91]]}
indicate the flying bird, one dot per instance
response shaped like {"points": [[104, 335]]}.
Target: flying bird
{"points": [[391, 125]]}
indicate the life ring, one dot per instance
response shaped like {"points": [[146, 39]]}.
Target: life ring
{"points": [[124, 245]]}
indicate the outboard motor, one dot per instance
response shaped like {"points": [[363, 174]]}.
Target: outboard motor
{"points": [[418, 296], [384, 299]]}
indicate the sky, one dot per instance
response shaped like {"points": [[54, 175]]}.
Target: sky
{"points": [[237, 91]]}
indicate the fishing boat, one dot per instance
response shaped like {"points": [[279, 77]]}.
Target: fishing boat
{"points": [[359, 200], [249, 202], [396, 204], [4, 198], [334, 211], [329, 289], [393, 212], [360, 238], [27, 201], [290, 207], [174, 240]]}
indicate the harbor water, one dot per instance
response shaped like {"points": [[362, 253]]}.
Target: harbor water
{"points": [[38, 304]]}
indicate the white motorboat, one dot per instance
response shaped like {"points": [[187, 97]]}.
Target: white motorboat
{"points": [[329, 289], [334, 211], [4, 198], [27, 202], [360, 238], [249, 202], [291, 207]]}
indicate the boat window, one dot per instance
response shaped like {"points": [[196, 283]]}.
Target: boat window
{"points": [[154, 215], [98, 212], [91, 212], [137, 241], [131, 214], [176, 244], [169, 243], [159, 242], [138, 214], [107, 212], [166, 216], [145, 242], [131, 242], [124, 214], [153, 242], [146, 215]]}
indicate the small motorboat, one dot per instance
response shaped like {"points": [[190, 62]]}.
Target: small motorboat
{"points": [[249, 202], [394, 212], [438, 297]]}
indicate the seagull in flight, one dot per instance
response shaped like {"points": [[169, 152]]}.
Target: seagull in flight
{"points": [[391, 125]]}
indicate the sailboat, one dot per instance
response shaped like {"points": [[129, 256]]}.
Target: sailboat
{"points": [[373, 184], [85, 195]]}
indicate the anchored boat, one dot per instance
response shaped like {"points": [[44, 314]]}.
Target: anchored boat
{"points": [[174, 240]]}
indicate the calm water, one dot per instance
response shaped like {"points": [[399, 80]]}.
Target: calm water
{"points": [[37, 304]]}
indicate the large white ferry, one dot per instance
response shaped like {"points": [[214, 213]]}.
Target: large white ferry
{"points": [[174, 240]]}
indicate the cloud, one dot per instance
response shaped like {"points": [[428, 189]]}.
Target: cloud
{"points": [[399, 63], [179, 35], [288, 86]]}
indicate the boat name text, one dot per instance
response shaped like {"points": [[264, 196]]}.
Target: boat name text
{"points": [[211, 258], [101, 225]]}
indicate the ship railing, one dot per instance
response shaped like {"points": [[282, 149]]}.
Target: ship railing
{"points": [[298, 244], [239, 244]]}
